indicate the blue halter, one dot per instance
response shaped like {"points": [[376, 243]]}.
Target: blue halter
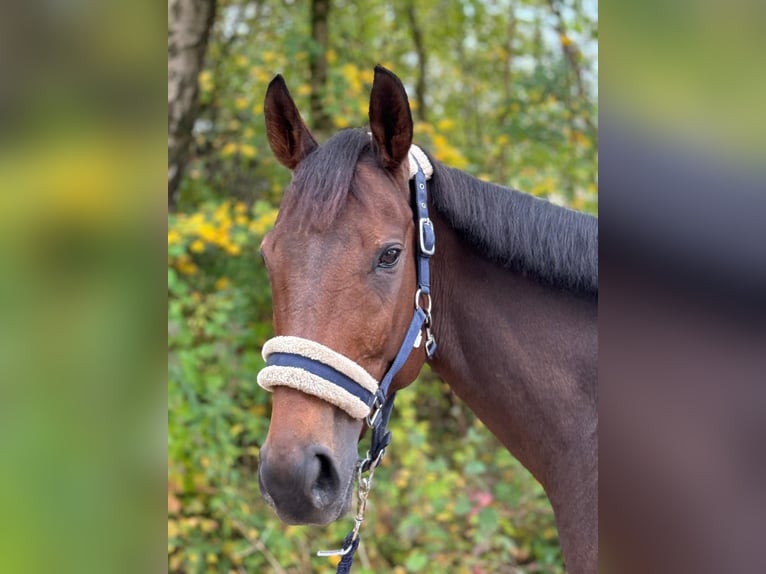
{"points": [[379, 402], [382, 405]]}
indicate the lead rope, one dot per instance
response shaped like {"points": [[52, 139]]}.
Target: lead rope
{"points": [[383, 405]]}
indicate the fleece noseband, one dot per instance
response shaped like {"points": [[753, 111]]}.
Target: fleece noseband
{"points": [[317, 370], [314, 369]]}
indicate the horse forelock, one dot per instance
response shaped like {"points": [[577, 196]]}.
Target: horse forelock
{"points": [[323, 181]]}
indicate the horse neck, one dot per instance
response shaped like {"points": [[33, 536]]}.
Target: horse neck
{"points": [[523, 356]]}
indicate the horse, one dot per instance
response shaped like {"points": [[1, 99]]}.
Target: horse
{"points": [[513, 306]]}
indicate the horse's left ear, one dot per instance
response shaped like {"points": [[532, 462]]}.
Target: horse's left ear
{"points": [[390, 119]]}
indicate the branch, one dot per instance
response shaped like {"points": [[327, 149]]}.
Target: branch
{"points": [[257, 545], [571, 53], [320, 10], [417, 38]]}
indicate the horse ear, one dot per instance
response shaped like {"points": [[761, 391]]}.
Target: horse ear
{"points": [[289, 138], [390, 119]]}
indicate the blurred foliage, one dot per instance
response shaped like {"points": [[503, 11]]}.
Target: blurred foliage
{"points": [[500, 105]]}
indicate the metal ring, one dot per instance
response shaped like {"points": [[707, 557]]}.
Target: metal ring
{"points": [[418, 295]]}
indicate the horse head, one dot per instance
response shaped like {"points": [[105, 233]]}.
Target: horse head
{"points": [[341, 262]]}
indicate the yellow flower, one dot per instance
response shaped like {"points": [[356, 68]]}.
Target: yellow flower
{"points": [[240, 103], [304, 90], [229, 149], [187, 268], [206, 232], [221, 214], [240, 220], [448, 154], [258, 410], [211, 558], [174, 238], [262, 76], [247, 150], [197, 246], [222, 283], [240, 207], [352, 75], [565, 40], [205, 81]]}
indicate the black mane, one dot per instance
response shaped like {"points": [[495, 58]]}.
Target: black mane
{"points": [[518, 231]]}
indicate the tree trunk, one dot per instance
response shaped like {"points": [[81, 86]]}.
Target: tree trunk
{"points": [[321, 123], [189, 24], [507, 94], [420, 50]]}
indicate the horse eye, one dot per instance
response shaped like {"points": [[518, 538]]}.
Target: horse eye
{"points": [[389, 257]]}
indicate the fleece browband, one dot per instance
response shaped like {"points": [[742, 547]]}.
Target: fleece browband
{"points": [[317, 370]]}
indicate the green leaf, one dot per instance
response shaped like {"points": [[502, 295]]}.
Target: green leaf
{"points": [[488, 520], [416, 561], [475, 467]]}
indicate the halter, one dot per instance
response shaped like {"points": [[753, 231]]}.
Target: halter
{"points": [[317, 370]]}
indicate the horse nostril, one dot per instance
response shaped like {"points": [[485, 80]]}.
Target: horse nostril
{"points": [[325, 484]]}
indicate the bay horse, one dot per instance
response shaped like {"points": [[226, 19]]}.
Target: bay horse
{"points": [[514, 310]]}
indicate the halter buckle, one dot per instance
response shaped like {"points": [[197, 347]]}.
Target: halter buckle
{"points": [[426, 236], [372, 418], [430, 345], [375, 409]]}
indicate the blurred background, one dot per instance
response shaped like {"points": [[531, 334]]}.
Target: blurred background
{"points": [[505, 90], [84, 123]]}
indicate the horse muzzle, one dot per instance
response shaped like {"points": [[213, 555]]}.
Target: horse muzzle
{"points": [[305, 487]]}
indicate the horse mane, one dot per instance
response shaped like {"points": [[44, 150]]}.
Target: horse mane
{"points": [[529, 235], [518, 231]]}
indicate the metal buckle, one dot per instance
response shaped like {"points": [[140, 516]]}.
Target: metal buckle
{"points": [[364, 485], [339, 552], [422, 222], [430, 345], [375, 410], [372, 419]]}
